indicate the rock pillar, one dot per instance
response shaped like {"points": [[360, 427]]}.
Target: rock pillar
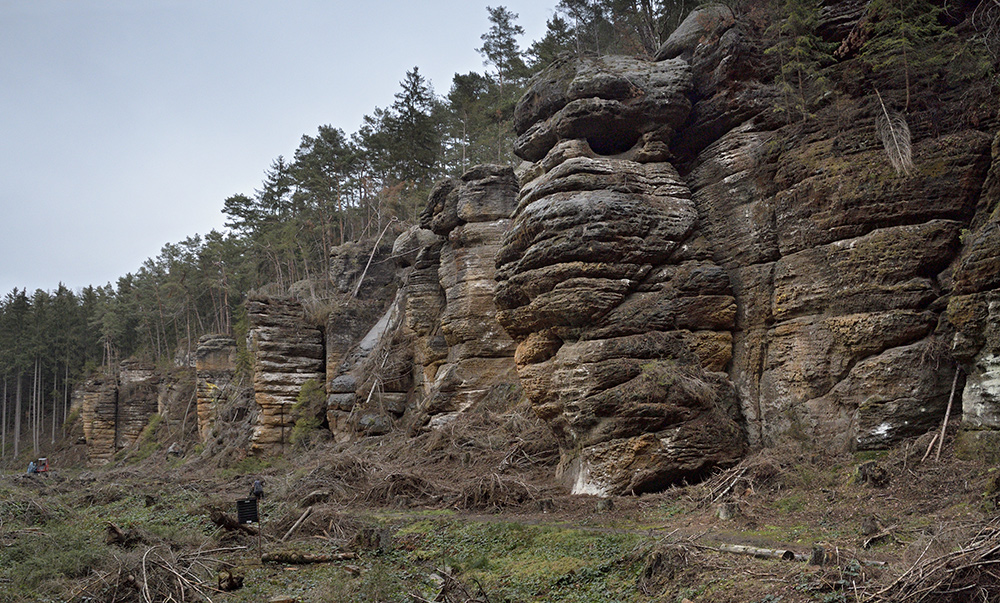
{"points": [[215, 363], [287, 351]]}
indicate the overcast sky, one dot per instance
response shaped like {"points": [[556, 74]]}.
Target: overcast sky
{"points": [[124, 124]]}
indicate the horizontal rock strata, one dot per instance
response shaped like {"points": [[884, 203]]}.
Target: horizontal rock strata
{"points": [[287, 352], [622, 319], [215, 363]]}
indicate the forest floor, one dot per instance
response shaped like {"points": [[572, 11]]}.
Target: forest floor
{"points": [[473, 515]]}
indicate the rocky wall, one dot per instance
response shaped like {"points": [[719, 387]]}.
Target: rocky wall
{"points": [[115, 410], [974, 313], [215, 364], [98, 402], [287, 351], [461, 351], [138, 400], [689, 266], [841, 266], [623, 321], [437, 350]]}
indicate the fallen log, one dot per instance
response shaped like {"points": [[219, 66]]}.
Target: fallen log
{"points": [[762, 553], [226, 521], [292, 557], [783, 554]]}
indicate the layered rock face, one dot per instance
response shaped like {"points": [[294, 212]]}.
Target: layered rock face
{"points": [[353, 328], [215, 363], [437, 350], [622, 319], [98, 404], [840, 266], [974, 313], [287, 352], [114, 411], [684, 260], [460, 351]]}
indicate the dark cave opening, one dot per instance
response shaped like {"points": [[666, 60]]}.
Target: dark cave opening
{"points": [[614, 142]]}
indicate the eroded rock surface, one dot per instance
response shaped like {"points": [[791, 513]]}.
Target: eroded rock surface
{"points": [[215, 363], [622, 319], [840, 266], [97, 400], [437, 349], [114, 410], [461, 351], [974, 313], [287, 351], [685, 256]]}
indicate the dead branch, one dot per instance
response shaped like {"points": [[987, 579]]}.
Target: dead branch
{"points": [[948, 576], [947, 414], [298, 523], [226, 521]]}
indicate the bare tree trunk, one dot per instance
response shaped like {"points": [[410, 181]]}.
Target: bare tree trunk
{"points": [[66, 394], [17, 418], [55, 376], [35, 427], [3, 421], [187, 317]]}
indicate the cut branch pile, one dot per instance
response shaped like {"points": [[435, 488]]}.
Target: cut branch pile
{"points": [[157, 574], [972, 573]]}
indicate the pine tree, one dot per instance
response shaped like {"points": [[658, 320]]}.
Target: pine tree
{"points": [[904, 37], [469, 126], [500, 48], [801, 53], [559, 38]]}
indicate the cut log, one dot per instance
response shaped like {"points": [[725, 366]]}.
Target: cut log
{"points": [[292, 557], [762, 553], [227, 522]]}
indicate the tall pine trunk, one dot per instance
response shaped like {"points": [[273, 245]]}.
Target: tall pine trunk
{"points": [[66, 394], [17, 418], [55, 377], [3, 421], [34, 410]]}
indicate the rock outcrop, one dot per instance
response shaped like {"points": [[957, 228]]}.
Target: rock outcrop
{"points": [[215, 363], [364, 278], [687, 267], [463, 351], [287, 351], [623, 320], [974, 313], [840, 266], [437, 350], [114, 410], [678, 273], [97, 400]]}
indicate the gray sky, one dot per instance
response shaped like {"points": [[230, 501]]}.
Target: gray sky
{"points": [[124, 124]]}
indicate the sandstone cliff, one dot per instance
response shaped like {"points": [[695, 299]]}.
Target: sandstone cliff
{"points": [[623, 319], [677, 273], [437, 350], [287, 352], [671, 225], [114, 410], [215, 364]]}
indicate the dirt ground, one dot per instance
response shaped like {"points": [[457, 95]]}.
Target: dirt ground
{"points": [[882, 526]]}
